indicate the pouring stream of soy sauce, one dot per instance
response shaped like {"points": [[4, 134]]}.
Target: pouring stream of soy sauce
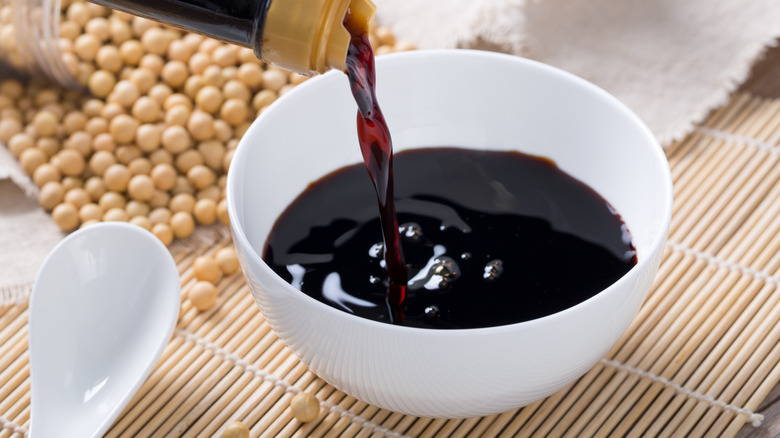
{"points": [[377, 149]]}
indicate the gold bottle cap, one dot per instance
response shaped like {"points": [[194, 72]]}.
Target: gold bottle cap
{"points": [[308, 36]]}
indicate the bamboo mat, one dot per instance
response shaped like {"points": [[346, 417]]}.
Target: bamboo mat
{"points": [[697, 361]]}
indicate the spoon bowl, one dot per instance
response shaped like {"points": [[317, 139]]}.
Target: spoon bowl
{"points": [[102, 309]]}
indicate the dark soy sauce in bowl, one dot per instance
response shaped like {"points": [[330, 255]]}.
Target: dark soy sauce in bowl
{"points": [[485, 238], [489, 238]]}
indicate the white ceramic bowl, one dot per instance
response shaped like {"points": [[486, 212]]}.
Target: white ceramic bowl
{"points": [[470, 99]]}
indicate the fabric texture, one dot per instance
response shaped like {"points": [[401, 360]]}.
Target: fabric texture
{"points": [[27, 234], [670, 61]]}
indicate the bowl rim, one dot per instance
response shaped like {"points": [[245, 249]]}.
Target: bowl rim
{"points": [[653, 247]]}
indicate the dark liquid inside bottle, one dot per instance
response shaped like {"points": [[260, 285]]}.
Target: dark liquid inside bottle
{"points": [[489, 238], [232, 21]]}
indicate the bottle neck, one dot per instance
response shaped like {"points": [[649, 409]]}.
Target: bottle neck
{"points": [[308, 36], [232, 21]]}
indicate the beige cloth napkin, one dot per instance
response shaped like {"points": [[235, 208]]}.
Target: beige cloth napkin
{"points": [[27, 233], [671, 61]]}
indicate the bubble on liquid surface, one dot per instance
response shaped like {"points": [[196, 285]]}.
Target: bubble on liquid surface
{"points": [[431, 311], [373, 279], [465, 256], [377, 250], [493, 269], [443, 272], [411, 230]]}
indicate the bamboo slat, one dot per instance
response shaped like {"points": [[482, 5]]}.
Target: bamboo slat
{"points": [[698, 360]]}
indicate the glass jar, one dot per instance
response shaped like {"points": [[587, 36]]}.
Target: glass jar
{"points": [[29, 34]]}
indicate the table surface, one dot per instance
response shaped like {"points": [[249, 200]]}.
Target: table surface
{"points": [[765, 81], [226, 364]]}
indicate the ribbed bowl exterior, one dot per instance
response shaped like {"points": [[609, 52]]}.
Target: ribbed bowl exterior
{"points": [[451, 373], [447, 374]]}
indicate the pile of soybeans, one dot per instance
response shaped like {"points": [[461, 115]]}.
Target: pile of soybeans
{"points": [[150, 138]]}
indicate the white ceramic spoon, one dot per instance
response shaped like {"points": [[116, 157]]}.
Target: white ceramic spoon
{"points": [[102, 309]]}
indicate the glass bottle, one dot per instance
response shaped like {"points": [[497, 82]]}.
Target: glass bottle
{"points": [[305, 36]]}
